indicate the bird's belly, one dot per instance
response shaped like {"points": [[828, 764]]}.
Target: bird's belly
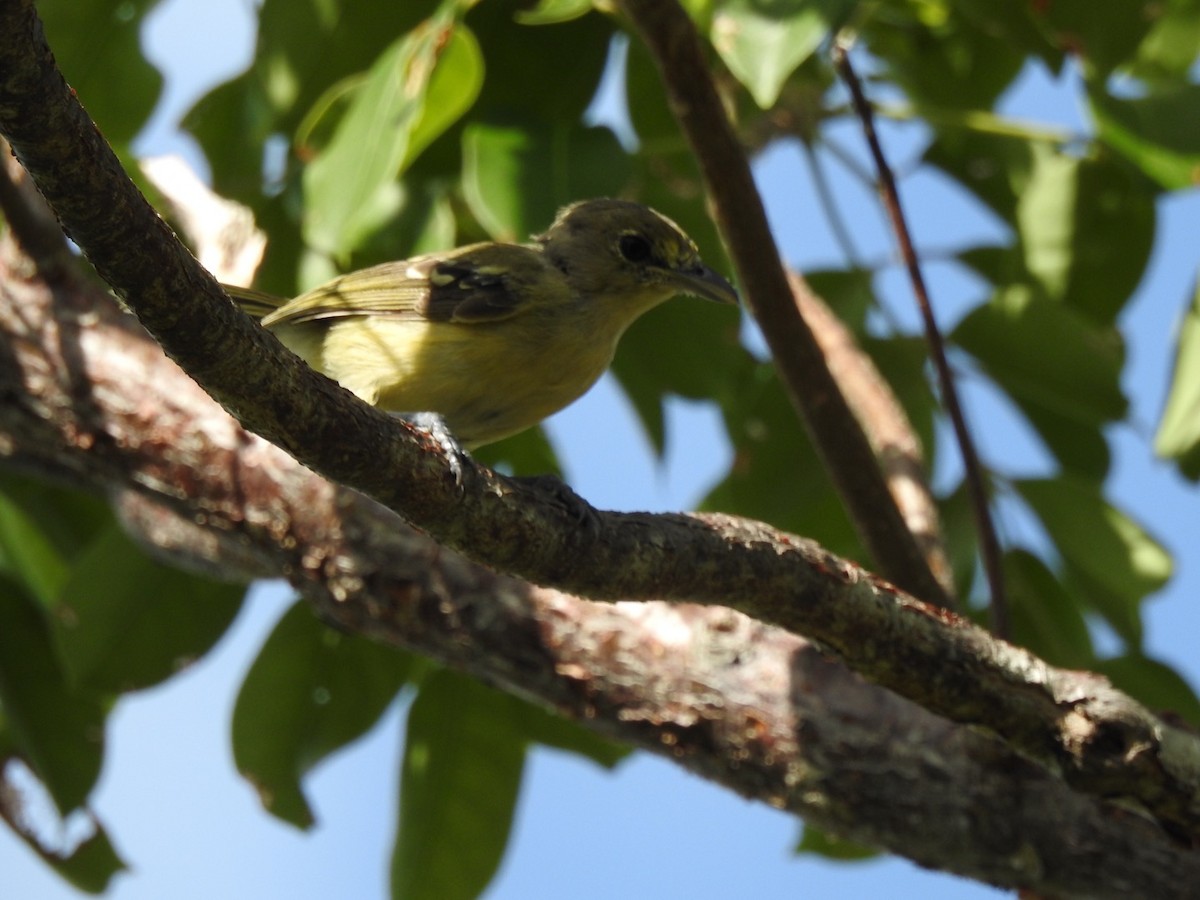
{"points": [[488, 381]]}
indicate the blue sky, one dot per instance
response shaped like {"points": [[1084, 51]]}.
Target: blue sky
{"points": [[192, 829]]}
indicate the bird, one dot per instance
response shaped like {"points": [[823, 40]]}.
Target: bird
{"points": [[492, 338]]}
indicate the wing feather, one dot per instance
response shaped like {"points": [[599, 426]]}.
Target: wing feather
{"points": [[479, 283]]}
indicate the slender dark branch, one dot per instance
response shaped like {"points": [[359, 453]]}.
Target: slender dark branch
{"points": [[673, 42], [837, 224], [989, 544]]}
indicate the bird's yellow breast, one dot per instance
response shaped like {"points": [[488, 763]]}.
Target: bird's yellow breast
{"points": [[487, 380]]}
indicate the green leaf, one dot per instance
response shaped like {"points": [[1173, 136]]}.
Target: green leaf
{"points": [[652, 361], [1160, 133], [42, 528], [98, 47], [1172, 45], [763, 42], [92, 865], [551, 730], [1102, 35], [89, 865], [1109, 559], [814, 840], [463, 759], [58, 730], [123, 621], [1178, 436], [944, 56], [1086, 229], [545, 75], [517, 174], [302, 49], [527, 453], [310, 692], [1062, 369], [1045, 617], [1153, 683], [770, 448], [413, 92], [1047, 355], [553, 12]]}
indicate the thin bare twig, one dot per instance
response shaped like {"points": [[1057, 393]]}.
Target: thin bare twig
{"points": [[989, 545]]}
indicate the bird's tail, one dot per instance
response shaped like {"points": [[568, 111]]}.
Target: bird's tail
{"points": [[254, 303]]}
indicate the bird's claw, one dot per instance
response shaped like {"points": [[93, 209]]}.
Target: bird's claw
{"points": [[435, 426]]}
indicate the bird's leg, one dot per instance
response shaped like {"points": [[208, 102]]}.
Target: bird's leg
{"points": [[435, 426]]}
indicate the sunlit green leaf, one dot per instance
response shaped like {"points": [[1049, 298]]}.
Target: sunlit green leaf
{"points": [[302, 49], [517, 175], [311, 691], [552, 12], [1170, 48], [1086, 229], [764, 42], [415, 89], [463, 760], [1178, 434]]}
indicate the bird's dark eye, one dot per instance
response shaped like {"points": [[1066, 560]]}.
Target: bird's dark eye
{"points": [[634, 247]]}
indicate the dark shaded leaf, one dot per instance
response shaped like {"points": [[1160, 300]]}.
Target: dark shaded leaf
{"points": [[58, 730], [1155, 684], [463, 760], [1110, 562], [123, 621], [311, 691], [1160, 133], [1045, 617], [98, 47]]}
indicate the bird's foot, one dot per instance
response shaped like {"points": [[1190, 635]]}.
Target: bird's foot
{"points": [[556, 491], [435, 426]]}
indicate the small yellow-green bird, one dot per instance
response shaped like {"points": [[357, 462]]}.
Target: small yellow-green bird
{"points": [[494, 337]]}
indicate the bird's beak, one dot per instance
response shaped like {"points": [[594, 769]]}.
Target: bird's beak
{"points": [[701, 281]]}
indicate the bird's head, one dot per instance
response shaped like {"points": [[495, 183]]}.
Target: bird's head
{"points": [[620, 249]]}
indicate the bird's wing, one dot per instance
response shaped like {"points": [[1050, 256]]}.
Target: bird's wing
{"points": [[255, 303], [480, 283]]}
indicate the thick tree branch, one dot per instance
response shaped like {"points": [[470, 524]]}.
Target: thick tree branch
{"points": [[91, 399], [894, 442], [1103, 742], [844, 449]]}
